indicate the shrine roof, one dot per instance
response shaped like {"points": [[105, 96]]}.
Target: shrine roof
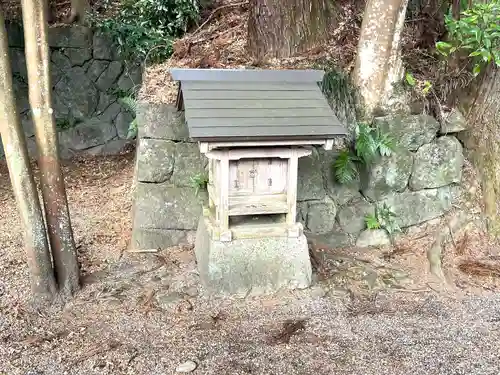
{"points": [[250, 105]]}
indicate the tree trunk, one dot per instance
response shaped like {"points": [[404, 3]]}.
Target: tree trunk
{"points": [[282, 28], [54, 195], [43, 284], [378, 62], [483, 141], [78, 11]]}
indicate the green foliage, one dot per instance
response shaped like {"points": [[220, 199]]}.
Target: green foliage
{"points": [[345, 167], [63, 124], [372, 222], [421, 87], [130, 104], [199, 182], [384, 218], [477, 32], [370, 144], [148, 27]]}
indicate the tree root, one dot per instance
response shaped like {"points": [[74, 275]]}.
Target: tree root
{"points": [[435, 252]]}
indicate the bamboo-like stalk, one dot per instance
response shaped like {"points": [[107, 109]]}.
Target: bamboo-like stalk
{"points": [[57, 216], [43, 283]]}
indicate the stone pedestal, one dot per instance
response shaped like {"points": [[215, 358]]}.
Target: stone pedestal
{"points": [[251, 266]]}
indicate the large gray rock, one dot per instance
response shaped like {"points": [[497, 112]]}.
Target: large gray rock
{"points": [[387, 174], [352, 217], [164, 206], [113, 147], [122, 123], [96, 68], [70, 37], [155, 158], [310, 184], [161, 238], [18, 62], [21, 94], [104, 102], [453, 122], [78, 56], [373, 238], [437, 164], [110, 114], [410, 132], [103, 46], [15, 34], [87, 134], [109, 76], [161, 121], [321, 216], [415, 207], [60, 60], [131, 78], [188, 163], [335, 239], [78, 93], [251, 266]]}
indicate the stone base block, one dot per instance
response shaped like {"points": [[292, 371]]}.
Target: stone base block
{"points": [[251, 266]]}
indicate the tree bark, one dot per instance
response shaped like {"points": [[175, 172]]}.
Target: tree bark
{"points": [[282, 28], [43, 284], [53, 190], [483, 141], [78, 11], [378, 62]]}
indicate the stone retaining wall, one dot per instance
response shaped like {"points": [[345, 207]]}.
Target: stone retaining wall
{"points": [[88, 78], [418, 183]]}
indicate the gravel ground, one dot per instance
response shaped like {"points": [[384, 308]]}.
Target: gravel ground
{"points": [[146, 314]]}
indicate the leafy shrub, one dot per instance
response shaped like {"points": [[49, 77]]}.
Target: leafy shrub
{"points": [[370, 143], [199, 182], [148, 27], [130, 103], [384, 218], [477, 32]]}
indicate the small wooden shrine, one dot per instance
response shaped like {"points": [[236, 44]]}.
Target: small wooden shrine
{"points": [[253, 126]]}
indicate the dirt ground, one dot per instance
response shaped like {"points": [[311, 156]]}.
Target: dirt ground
{"points": [[371, 311]]}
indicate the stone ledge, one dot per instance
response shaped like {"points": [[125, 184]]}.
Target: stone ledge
{"points": [[251, 266], [165, 206], [143, 239]]}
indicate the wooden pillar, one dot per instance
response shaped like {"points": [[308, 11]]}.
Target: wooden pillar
{"points": [[225, 234], [291, 196]]}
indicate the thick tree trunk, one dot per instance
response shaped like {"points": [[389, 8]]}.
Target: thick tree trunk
{"points": [[282, 28], [43, 284], [483, 141], [54, 195], [378, 62]]}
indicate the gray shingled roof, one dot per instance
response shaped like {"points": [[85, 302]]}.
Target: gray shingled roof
{"points": [[244, 105]]}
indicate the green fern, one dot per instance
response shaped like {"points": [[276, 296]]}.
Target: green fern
{"points": [[345, 167], [387, 219], [372, 222], [130, 103], [366, 144], [385, 144]]}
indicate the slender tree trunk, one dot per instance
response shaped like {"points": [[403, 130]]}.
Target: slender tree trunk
{"points": [[43, 284], [378, 62], [282, 28], [53, 190], [483, 141]]}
